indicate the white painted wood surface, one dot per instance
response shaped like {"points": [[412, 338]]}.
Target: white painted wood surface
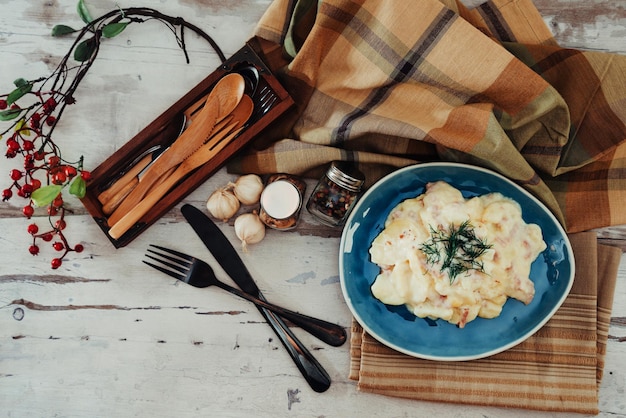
{"points": [[104, 336]]}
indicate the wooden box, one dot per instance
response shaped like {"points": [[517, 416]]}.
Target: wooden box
{"points": [[164, 128]]}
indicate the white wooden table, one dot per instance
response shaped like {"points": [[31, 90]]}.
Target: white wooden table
{"points": [[103, 336]]}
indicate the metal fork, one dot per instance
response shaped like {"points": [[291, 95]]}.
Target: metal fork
{"points": [[199, 274], [266, 99]]}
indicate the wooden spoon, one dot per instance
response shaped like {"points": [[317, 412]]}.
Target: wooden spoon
{"points": [[222, 100], [215, 144], [250, 75]]}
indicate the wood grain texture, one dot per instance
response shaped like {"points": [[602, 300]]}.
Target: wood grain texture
{"points": [[104, 336]]}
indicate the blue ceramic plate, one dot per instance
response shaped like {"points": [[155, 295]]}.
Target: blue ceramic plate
{"points": [[552, 272]]}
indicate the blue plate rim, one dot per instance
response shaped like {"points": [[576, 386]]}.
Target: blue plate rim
{"points": [[413, 353]]}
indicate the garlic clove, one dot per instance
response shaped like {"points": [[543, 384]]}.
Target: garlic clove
{"points": [[249, 229], [223, 204], [248, 189]]}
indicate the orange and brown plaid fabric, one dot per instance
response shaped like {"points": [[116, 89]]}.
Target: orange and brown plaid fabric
{"points": [[392, 83], [395, 82]]}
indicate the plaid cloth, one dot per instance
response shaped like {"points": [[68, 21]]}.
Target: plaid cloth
{"points": [[392, 83], [559, 368]]}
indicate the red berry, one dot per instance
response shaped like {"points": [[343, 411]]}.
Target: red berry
{"points": [[3, 104], [39, 155], [86, 175], [49, 106], [56, 263], [33, 249], [50, 120], [6, 194], [28, 211], [47, 237], [28, 145], [25, 191], [79, 248], [29, 162], [59, 178], [60, 224], [58, 201], [35, 184], [16, 174], [70, 171], [33, 229], [13, 145], [58, 246], [53, 161], [52, 210]]}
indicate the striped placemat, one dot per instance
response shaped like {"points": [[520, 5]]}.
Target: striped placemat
{"points": [[557, 369]]}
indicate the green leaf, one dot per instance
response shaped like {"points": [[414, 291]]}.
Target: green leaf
{"points": [[78, 187], [9, 114], [20, 82], [21, 90], [85, 50], [83, 12], [113, 29], [21, 127], [43, 196], [61, 30]]}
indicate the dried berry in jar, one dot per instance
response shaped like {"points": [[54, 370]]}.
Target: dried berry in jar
{"points": [[336, 193]]}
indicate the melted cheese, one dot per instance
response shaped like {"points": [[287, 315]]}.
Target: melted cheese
{"points": [[408, 278]]}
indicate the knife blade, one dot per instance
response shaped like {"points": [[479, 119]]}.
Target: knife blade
{"points": [[229, 259]]}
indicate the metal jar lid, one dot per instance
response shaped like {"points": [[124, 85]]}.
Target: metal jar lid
{"points": [[281, 199], [346, 175]]}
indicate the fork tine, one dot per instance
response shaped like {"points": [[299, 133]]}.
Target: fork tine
{"points": [[176, 253], [265, 107], [175, 267], [178, 267], [164, 270], [264, 92], [266, 99]]}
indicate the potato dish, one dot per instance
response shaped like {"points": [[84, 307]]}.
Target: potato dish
{"points": [[444, 256]]}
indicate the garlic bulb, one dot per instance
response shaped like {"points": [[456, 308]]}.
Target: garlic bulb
{"points": [[249, 229], [248, 189], [223, 204]]}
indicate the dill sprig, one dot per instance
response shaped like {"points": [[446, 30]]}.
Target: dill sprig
{"points": [[458, 247]]}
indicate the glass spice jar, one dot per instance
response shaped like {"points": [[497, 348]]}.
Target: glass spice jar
{"points": [[336, 193], [281, 201]]}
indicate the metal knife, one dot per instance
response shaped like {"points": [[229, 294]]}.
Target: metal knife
{"points": [[229, 259]]}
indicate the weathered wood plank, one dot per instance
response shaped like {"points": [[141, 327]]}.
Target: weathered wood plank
{"points": [[104, 336]]}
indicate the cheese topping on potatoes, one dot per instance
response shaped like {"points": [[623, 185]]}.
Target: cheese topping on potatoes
{"points": [[444, 256]]}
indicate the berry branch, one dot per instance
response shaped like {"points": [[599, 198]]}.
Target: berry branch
{"points": [[34, 107]]}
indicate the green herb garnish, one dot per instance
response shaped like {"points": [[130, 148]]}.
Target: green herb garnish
{"points": [[459, 248]]}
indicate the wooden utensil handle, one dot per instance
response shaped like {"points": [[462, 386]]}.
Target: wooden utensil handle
{"points": [[122, 183], [112, 202], [152, 198]]}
